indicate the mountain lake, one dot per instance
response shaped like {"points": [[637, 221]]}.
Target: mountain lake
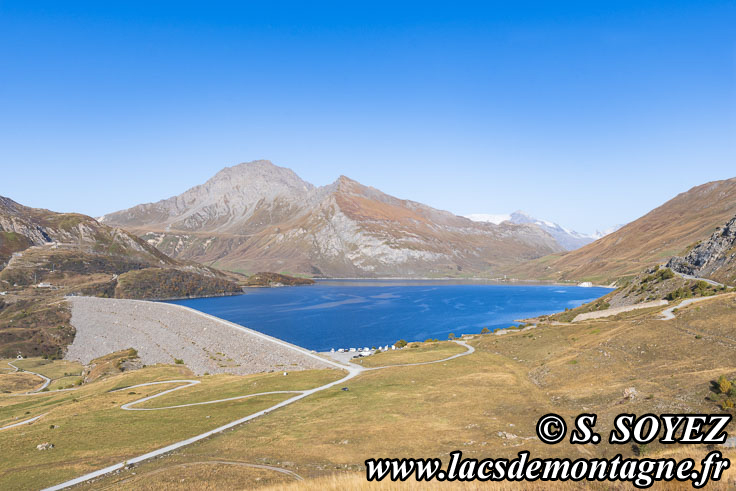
{"points": [[366, 313]]}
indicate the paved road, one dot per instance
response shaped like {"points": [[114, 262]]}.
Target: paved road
{"points": [[24, 422], [691, 277], [669, 314], [46, 380], [353, 371], [189, 383], [598, 314]]}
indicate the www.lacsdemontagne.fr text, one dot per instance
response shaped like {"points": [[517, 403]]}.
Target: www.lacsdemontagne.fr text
{"points": [[642, 473]]}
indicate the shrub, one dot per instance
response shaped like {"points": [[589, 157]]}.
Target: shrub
{"points": [[451, 335], [400, 343], [485, 330], [178, 361], [724, 385], [678, 293]]}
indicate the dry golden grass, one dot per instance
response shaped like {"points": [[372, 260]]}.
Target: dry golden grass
{"points": [[511, 380], [356, 482], [18, 382], [211, 475], [351, 481], [53, 369], [413, 353], [90, 431]]}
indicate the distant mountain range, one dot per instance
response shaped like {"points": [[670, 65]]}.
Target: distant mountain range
{"points": [[673, 229], [567, 239], [257, 216]]}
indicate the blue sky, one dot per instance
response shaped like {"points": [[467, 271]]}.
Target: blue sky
{"points": [[585, 113]]}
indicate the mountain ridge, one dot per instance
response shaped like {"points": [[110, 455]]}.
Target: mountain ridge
{"points": [[566, 238], [238, 221], [666, 231]]}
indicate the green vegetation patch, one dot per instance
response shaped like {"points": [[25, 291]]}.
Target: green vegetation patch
{"points": [[158, 283]]}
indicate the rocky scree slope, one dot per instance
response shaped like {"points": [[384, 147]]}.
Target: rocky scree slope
{"points": [[714, 258], [260, 217]]}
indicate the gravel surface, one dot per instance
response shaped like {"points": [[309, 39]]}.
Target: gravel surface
{"points": [[164, 332], [617, 310]]}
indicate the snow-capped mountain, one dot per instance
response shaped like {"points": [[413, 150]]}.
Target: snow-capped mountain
{"points": [[598, 233], [566, 238], [485, 217]]}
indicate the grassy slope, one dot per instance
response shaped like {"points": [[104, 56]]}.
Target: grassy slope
{"points": [[413, 353], [664, 232], [511, 380], [94, 432]]}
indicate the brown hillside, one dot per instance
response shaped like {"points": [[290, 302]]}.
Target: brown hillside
{"points": [[652, 239], [260, 217]]}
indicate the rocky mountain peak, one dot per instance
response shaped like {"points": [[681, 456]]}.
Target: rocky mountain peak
{"points": [[258, 216], [221, 204]]}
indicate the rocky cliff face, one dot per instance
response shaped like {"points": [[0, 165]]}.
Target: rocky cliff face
{"points": [[30, 236], [257, 216], [22, 227], [714, 258]]}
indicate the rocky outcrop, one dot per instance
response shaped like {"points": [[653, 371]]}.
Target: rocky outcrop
{"points": [[39, 227], [265, 279], [257, 216], [714, 258], [37, 239]]}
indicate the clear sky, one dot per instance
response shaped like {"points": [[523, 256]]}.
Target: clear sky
{"points": [[587, 113]]}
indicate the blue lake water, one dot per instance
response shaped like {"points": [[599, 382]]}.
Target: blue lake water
{"points": [[341, 314]]}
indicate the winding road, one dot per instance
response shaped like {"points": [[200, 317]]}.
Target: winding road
{"points": [[353, 371], [46, 380], [669, 314], [691, 277]]}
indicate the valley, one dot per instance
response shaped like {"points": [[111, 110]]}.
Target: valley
{"points": [[116, 391]]}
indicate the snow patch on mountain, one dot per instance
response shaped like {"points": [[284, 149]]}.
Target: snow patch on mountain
{"points": [[566, 238], [484, 217]]}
